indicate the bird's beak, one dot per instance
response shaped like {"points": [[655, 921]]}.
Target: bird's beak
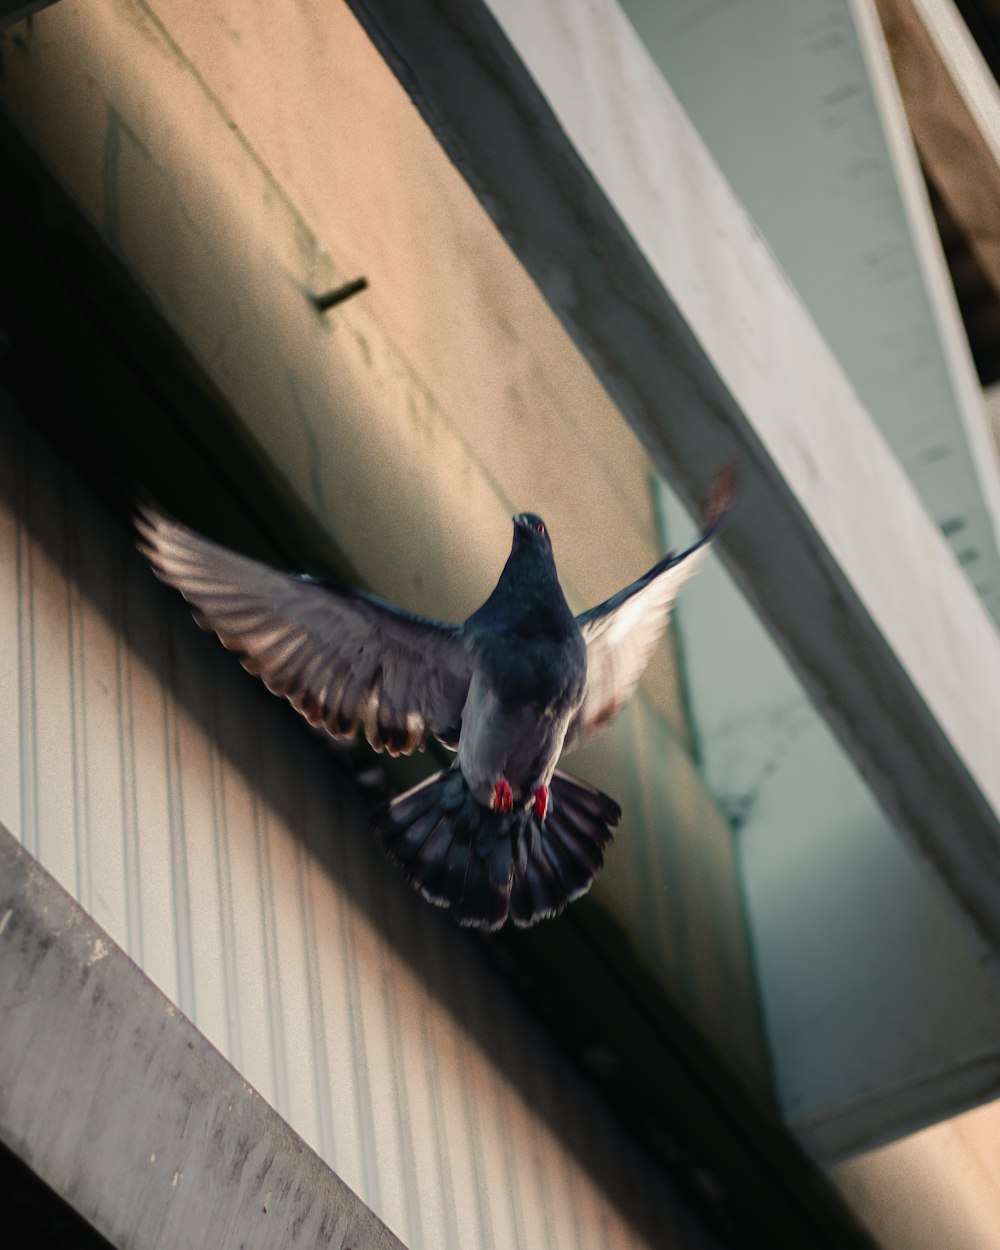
{"points": [[521, 521]]}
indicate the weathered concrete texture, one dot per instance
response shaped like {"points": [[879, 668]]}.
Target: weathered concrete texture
{"points": [[127, 1111]]}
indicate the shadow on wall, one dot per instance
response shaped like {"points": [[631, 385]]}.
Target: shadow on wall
{"points": [[129, 691]]}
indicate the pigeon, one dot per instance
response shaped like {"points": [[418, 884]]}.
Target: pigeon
{"points": [[501, 834]]}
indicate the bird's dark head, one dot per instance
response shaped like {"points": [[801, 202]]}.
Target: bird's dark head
{"points": [[531, 533], [528, 596]]}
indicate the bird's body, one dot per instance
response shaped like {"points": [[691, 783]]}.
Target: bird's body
{"points": [[529, 677], [500, 834]]}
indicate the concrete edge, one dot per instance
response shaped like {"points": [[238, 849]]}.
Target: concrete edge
{"points": [[127, 1112], [881, 1117]]}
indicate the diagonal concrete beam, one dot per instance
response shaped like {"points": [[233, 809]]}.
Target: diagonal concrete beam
{"points": [[122, 1107], [577, 148]]}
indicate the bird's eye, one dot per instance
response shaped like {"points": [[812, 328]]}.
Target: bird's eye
{"points": [[539, 528]]}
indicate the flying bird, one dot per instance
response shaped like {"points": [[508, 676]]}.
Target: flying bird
{"points": [[500, 834]]}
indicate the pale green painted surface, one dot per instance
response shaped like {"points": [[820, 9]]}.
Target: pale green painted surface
{"points": [[869, 986]]}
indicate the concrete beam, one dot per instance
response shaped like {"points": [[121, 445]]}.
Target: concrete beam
{"points": [[577, 148], [953, 106], [123, 1108]]}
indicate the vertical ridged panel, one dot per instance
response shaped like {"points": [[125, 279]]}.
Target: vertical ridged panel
{"points": [[99, 740], [143, 778], [219, 843]]}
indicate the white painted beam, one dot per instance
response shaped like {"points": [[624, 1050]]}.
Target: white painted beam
{"points": [[577, 147]]}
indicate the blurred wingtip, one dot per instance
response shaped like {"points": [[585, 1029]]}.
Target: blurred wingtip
{"points": [[145, 517], [150, 522], [722, 494]]}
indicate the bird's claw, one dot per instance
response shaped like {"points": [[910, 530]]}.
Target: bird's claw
{"points": [[541, 801], [503, 796]]}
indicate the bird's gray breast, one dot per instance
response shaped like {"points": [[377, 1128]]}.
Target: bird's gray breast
{"points": [[521, 700], [541, 672]]}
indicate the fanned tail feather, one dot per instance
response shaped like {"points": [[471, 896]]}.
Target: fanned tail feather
{"points": [[557, 859], [488, 866]]}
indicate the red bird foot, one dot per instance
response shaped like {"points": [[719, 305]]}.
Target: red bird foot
{"points": [[503, 796], [541, 801]]}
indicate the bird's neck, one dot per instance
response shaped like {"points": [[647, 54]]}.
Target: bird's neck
{"points": [[528, 596]]}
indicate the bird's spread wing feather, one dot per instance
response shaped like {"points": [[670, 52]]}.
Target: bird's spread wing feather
{"points": [[344, 659], [621, 632]]}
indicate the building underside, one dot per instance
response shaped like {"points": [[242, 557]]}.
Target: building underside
{"points": [[344, 288]]}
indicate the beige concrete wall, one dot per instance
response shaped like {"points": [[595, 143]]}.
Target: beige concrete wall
{"points": [[238, 162], [936, 1190], [240, 159]]}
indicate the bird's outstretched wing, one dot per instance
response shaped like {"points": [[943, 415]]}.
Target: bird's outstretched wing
{"points": [[344, 659], [621, 632]]}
